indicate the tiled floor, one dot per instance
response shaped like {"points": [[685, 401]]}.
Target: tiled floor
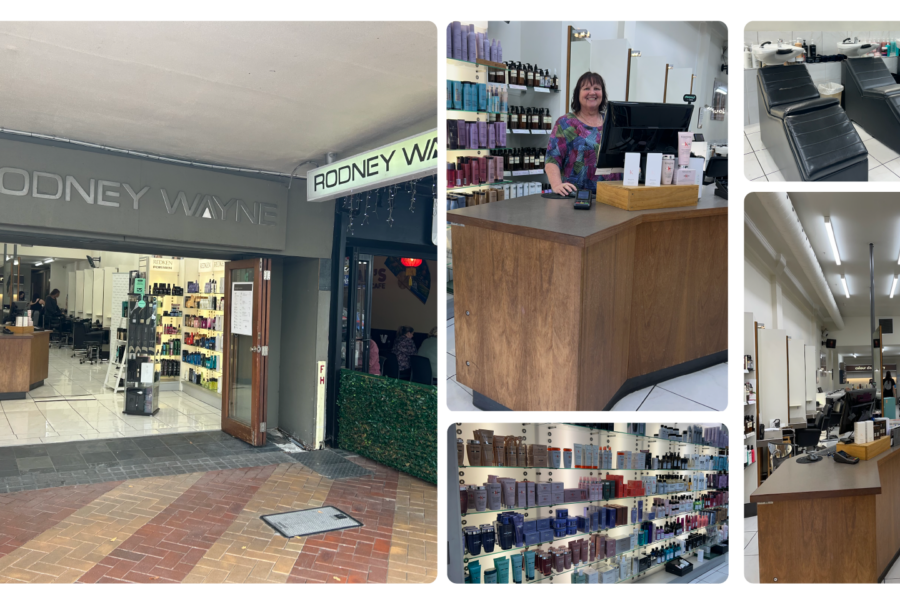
{"points": [[72, 405], [884, 163], [717, 575], [751, 554], [703, 390], [205, 527]]}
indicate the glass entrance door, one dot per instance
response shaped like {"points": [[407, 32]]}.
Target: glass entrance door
{"points": [[360, 328], [246, 348]]}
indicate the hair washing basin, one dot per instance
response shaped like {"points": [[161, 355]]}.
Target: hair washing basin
{"points": [[776, 53]]}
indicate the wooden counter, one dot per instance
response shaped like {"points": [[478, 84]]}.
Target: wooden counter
{"points": [[24, 363], [563, 309], [828, 522]]}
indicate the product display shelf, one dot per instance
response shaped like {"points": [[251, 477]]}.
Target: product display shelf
{"points": [[638, 435], [652, 569], [186, 346], [474, 187], [528, 132], [524, 89], [564, 435], [597, 469], [200, 387], [488, 512], [589, 533], [479, 62], [479, 112], [479, 150]]}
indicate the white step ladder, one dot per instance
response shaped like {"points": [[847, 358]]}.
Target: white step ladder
{"points": [[115, 372]]}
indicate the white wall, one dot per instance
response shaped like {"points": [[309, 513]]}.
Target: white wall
{"points": [[683, 44], [823, 25], [758, 293], [799, 321]]}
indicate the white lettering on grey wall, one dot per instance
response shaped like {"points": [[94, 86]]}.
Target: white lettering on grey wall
{"points": [[100, 192]]}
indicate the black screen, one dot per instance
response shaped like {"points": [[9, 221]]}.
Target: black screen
{"points": [[641, 127]]}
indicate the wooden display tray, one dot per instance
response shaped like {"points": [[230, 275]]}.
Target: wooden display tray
{"points": [[20, 330], [642, 197], [867, 451]]}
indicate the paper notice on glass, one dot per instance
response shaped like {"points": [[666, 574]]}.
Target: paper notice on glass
{"points": [[242, 308], [632, 168], [147, 373], [654, 170]]}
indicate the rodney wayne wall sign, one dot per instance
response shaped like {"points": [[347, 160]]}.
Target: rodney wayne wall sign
{"points": [[42, 185], [75, 191], [407, 159]]}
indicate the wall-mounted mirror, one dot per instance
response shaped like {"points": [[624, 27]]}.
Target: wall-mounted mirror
{"points": [[719, 98], [578, 59]]}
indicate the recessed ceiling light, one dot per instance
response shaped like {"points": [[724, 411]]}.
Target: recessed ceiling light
{"points": [[846, 289], [834, 248]]}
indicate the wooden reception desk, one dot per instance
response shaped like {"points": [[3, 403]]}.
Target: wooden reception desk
{"points": [[24, 363], [564, 309], [828, 522]]}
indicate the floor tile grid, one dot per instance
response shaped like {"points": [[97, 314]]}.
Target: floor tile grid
{"points": [[884, 163], [52, 414]]}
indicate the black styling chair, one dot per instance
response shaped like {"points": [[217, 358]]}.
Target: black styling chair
{"points": [[421, 370], [391, 367]]}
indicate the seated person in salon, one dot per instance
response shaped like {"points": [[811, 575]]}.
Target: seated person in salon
{"points": [[575, 140], [403, 348]]}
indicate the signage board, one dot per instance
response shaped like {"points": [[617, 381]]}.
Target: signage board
{"points": [[401, 161]]}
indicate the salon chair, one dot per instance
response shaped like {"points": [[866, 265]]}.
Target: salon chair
{"points": [[391, 368], [809, 137], [872, 99], [808, 438], [85, 343], [420, 370]]}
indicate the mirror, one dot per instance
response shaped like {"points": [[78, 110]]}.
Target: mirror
{"points": [[720, 95], [578, 59]]}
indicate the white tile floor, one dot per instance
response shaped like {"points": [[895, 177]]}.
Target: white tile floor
{"points": [[717, 575], [73, 405], [703, 390], [884, 163], [751, 554]]}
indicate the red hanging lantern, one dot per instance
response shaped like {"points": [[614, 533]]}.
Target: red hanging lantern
{"points": [[411, 264]]}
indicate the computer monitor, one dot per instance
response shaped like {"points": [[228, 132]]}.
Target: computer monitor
{"points": [[858, 405], [641, 127]]}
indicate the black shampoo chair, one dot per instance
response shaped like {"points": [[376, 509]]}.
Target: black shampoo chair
{"points": [[872, 99], [809, 137]]}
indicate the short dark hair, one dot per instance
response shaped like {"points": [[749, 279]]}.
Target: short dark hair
{"points": [[589, 79], [55, 292]]}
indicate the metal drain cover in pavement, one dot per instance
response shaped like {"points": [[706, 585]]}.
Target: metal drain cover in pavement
{"points": [[311, 521]]}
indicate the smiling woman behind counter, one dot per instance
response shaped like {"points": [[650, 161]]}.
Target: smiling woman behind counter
{"points": [[575, 140]]}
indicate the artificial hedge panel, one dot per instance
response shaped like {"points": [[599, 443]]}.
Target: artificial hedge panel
{"points": [[391, 421]]}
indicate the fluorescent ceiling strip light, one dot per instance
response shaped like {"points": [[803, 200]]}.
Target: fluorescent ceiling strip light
{"points": [[49, 260], [893, 286], [846, 289], [834, 248]]}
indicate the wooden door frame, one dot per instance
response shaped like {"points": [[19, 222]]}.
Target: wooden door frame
{"points": [[255, 433]]}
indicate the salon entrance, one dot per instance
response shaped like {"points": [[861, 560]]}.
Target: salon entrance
{"points": [[390, 315], [201, 365]]}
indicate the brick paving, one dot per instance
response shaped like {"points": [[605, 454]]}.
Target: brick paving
{"points": [[205, 527]]}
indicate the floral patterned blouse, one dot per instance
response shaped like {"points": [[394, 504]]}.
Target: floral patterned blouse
{"points": [[404, 347], [573, 147]]}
